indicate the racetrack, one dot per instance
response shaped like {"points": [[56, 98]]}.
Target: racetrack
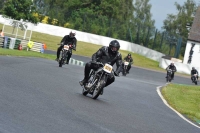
{"points": [[36, 96]]}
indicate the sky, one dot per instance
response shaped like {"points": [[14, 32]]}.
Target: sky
{"points": [[160, 9]]}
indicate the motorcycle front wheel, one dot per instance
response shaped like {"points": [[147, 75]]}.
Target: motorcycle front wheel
{"points": [[98, 89], [61, 62]]}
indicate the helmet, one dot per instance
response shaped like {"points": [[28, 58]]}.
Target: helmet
{"points": [[129, 54], [193, 68], [72, 34], [172, 64], [114, 46]]}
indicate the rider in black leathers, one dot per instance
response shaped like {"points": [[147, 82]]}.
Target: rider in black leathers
{"points": [[129, 59], [65, 41], [173, 68], [105, 55], [194, 71]]}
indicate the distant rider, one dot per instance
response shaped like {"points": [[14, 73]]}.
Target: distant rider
{"points": [[129, 59], [105, 55], [173, 68], [67, 39], [194, 71]]}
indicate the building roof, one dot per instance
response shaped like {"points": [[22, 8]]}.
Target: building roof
{"points": [[194, 34]]}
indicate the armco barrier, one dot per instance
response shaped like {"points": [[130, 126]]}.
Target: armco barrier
{"points": [[182, 68]]}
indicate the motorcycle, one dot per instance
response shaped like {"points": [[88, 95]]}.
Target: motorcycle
{"points": [[194, 79], [64, 54], [125, 66], [97, 80], [169, 75]]}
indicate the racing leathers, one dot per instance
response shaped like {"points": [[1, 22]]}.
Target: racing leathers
{"points": [[173, 68], [103, 55], [130, 60], [194, 71], [67, 40]]}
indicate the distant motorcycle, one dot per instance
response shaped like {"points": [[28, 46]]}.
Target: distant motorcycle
{"points": [[169, 75], [125, 66], [194, 79], [97, 80], [64, 54]]}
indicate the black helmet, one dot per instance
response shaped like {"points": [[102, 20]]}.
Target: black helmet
{"points": [[193, 68], [172, 64], [114, 46], [129, 54]]}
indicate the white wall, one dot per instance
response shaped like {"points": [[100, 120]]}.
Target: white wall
{"points": [[182, 68], [91, 38], [196, 54]]}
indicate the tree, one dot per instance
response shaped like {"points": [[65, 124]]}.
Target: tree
{"points": [[20, 9], [178, 22], [143, 20]]}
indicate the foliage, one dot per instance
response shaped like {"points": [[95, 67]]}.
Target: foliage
{"points": [[20, 9], [176, 24]]}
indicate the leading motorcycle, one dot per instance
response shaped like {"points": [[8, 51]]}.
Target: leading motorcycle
{"points": [[97, 80]]}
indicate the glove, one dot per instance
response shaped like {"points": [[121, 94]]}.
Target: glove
{"points": [[93, 61]]}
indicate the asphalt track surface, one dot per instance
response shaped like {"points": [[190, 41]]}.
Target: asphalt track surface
{"points": [[36, 96]]}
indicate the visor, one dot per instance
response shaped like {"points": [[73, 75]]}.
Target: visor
{"points": [[114, 49]]}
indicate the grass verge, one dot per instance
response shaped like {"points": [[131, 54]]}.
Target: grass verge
{"points": [[185, 99], [25, 53]]}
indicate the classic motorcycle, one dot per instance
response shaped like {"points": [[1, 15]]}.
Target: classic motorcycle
{"points": [[97, 80], [169, 75], [194, 79], [64, 54], [125, 66]]}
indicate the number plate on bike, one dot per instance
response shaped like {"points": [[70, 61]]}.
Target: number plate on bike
{"points": [[126, 63], [107, 68], [66, 47]]}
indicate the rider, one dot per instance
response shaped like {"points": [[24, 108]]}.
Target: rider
{"points": [[129, 59], [65, 41], [173, 68], [105, 54], [194, 71]]}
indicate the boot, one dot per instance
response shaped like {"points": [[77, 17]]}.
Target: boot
{"points": [[83, 82]]}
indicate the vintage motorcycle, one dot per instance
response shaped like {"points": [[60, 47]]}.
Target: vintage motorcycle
{"points": [[194, 79], [169, 75], [125, 66], [97, 80], [64, 54]]}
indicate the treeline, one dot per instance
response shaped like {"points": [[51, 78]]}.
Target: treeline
{"points": [[129, 20]]}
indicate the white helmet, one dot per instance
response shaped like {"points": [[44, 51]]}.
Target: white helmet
{"points": [[72, 34]]}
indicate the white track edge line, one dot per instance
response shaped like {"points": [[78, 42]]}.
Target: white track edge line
{"points": [[165, 102]]}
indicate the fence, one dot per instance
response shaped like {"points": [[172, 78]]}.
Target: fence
{"points": [[1, 41], [13, 43]]}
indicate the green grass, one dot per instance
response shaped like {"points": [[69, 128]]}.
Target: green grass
{"points": [[184, 98], [25, 53]]}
